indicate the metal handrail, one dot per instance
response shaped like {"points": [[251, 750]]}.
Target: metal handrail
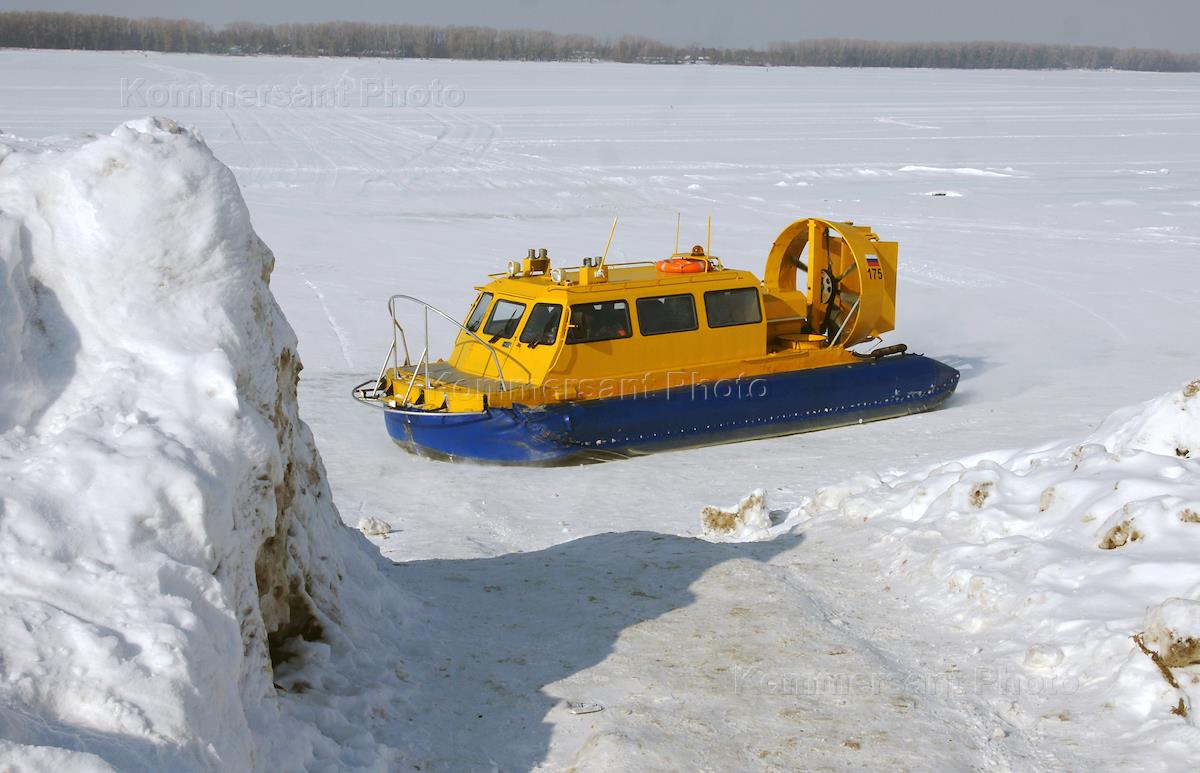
{"points": [[425, 354], [403, 340], [382, 371], [412, 381]]}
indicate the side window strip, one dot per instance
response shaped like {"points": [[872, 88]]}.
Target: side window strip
{"points": [[725, 308], [602, 321], [666, 314]]}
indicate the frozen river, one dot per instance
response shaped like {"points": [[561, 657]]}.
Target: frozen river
{"points": [[1049, 224]]}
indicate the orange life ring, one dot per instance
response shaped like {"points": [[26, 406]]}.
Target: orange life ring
{"points": [[682, 266]]}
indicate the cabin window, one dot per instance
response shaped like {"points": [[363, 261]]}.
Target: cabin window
{"points": [[666, 314], [732, 307], [602, 321], [481, 307], [542, 326], [504, 320]]}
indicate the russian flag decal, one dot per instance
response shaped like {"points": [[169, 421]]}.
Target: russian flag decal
{"points": [[872, 261]]}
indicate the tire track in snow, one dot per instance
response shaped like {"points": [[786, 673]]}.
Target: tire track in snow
{"points": [[202, 78], [338, 332]]}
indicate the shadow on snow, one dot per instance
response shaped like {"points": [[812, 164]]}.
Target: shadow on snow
{"points": [[496, 631]]}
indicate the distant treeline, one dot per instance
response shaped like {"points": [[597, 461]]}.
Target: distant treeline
{"points": [[39, 29], [980, 55]]}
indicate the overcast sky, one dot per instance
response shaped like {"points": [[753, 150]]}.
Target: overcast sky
{"points": [[1170, 24]]}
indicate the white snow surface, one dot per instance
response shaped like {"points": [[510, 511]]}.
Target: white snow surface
{"points": [[1054, 274], [1050, 560], [155, 477]]}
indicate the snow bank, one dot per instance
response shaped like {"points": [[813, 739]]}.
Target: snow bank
{"points": [[965, 171], [173, 573], [1051, 561]]}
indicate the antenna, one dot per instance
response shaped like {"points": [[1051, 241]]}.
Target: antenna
{"points": [[708, 246], [609, 244], [678, 216]]}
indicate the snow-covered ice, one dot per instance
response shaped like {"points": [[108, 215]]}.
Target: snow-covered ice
{"points": [[1054, 273]]}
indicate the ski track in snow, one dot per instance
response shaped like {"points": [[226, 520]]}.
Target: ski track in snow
{"points": [[1023, 291]]}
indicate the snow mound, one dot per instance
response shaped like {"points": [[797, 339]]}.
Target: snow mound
{"points": [[172, 566], [374, 527], [1072, 567], [747, 521], [1168, 425]]}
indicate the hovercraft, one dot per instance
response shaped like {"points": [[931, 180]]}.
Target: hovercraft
{"points": [[600, 361]]}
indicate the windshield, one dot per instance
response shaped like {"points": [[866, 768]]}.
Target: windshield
{"points": [[542, 327], [504, 320], [481, 307]]}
